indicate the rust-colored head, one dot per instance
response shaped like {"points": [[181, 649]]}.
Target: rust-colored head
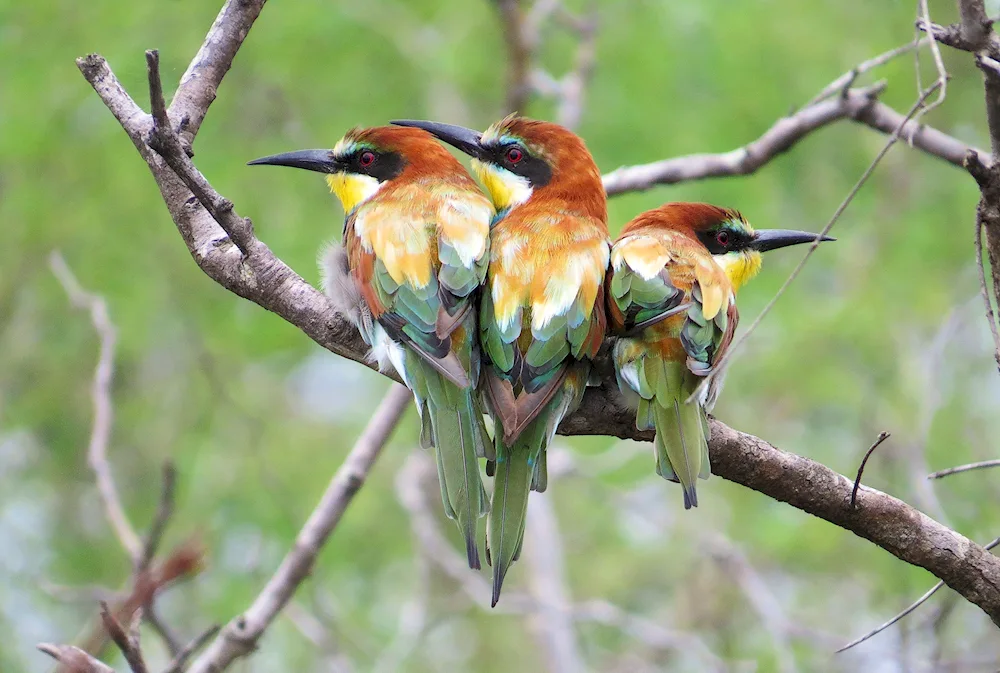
{"points": [[519, 159], [366, 158]]}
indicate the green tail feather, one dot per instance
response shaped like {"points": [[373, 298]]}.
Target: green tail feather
{"points": [[452, 421], [514, 472], [681, 444], [520, 468], [458, 438]]}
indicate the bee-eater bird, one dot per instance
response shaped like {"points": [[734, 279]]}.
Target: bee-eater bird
{"points": [[542, 313], [416, 235], [671, 293]]}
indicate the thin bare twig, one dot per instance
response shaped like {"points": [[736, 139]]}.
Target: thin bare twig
{"points": [[127, 642], [240, 636], [573, 84], [164, 511], [720, 366], [165, 141], [181, 658], [100, 391], [882, 436], [964, 468], [942, 79], [846, 81], [913, 606], [985, 292]]}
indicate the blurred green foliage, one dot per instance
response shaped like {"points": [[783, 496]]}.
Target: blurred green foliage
{"points": [[883, 331]]}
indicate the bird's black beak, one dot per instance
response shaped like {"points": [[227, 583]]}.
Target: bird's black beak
{"points": [[772, 239], [321, 161], [460, 137]]}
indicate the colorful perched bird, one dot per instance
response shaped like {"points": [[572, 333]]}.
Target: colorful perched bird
{"points": [[671, 292], [416, 235], [542, 313]]}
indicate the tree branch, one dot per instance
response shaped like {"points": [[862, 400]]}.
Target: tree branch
{"points": [[239, 638], [964, 468], [73, 659], [199, 85]]}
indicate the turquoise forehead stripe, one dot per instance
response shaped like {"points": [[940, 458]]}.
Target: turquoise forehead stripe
{"points": [[740, 225]]}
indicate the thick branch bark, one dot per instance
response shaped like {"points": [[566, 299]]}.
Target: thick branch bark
{"points": [[200, 83]]}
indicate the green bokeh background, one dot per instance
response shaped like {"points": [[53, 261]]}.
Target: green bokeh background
{"points": [[882, 331]]}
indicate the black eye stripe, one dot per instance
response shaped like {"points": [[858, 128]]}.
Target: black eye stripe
{"points": [[381, 165], [536, 170], [723, 239]]}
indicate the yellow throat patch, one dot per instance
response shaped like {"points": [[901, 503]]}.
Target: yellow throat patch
{"points": [[505, 188], [352, 189], [739, 266]]}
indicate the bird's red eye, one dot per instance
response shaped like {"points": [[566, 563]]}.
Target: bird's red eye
{"points": [[367, 159], [722, 238], [514, 155]]}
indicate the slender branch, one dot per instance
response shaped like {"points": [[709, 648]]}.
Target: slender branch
{"points": [[942, 80], [100, 392], [180, 661], [984, 291], [950, 36], [239, 638], [164, 511], [167, 144], [519, 53], [573, 85], [964, 468]]}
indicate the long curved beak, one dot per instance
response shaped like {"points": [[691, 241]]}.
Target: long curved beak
{"points": [[321, 161], [772, 239], [459, 137]]}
